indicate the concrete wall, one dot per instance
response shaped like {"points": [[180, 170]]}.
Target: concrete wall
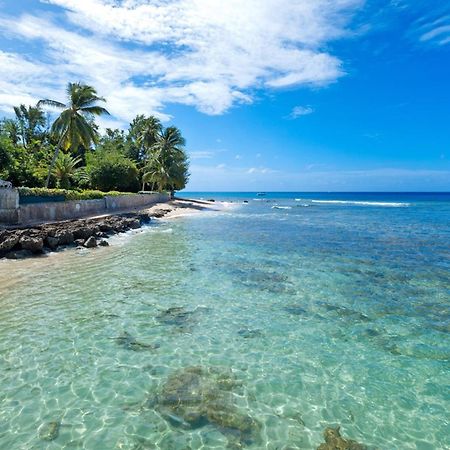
{"points": [[9, 205], [55, 211]]}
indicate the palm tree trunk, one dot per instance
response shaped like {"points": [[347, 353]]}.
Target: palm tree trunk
{"points": [[52, 164]]}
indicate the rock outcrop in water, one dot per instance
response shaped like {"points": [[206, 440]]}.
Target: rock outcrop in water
{"points": [[334, 441], [197, 396]]}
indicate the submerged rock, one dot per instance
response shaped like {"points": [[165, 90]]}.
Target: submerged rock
{"points": [[346, 313], [266, 280], [296, 310], [247, 333], [334, 441], [49, 431], [177, 316], [197, 396], [103, 243], [128, 342]]}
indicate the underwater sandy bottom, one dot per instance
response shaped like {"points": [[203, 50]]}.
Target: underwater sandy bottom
{"points": [[285, 323]]}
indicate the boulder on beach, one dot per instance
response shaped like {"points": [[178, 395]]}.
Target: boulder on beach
{"points": [[51, 242], [9, 242], [83, 232], [91, 242], [31, 243], [64, 236]]}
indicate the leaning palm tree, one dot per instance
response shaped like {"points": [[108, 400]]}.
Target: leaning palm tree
{"points": [[74, 126], [65, 169]]}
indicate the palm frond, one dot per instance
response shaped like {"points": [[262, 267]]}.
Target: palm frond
{"points": [[95, 110], [53, 103]]}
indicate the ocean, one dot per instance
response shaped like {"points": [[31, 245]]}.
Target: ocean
{"points": [[255, 327]]}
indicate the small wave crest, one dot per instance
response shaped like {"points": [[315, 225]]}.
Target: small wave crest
{"points": [[361, 203], [281, 207]]}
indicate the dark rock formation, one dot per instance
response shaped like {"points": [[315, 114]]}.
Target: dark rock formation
{"points": [[197, 396], [31, 243], [334, 441], [49, 237]]}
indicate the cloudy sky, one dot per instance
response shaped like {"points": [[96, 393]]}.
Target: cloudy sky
{"points": [[270, 94]]}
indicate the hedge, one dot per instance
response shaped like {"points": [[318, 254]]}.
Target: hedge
{"points": [[68, 194]]}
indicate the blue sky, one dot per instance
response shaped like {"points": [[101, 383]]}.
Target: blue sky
{"points": [[288, 95]]}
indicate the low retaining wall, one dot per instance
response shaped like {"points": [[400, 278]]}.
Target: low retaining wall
{"points": [[9, 205], [56, 211]]}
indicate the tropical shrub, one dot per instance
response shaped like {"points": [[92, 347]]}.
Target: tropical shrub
{"points": [[68, 194], [112, 172]]}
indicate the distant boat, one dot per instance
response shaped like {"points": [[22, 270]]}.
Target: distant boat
{"points": [[260, 194]]}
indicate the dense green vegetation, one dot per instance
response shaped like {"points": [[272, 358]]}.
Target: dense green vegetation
{"points": [[67, 194], [70, 154]]}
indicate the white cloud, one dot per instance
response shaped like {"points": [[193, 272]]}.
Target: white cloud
{"points": [[260, 170], [210, 54], [435, 31], [201, 155], [299, 111]]}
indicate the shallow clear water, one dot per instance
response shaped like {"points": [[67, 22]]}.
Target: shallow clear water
{"points": [[326, 314]]}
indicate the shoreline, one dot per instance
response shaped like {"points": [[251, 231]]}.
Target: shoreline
{"points": [[35, 240]]}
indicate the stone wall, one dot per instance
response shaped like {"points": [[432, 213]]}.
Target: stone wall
{"points": [[9, 205], [56, 211]]}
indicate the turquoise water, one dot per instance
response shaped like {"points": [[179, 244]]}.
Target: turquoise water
{"points": [[322, 313]]}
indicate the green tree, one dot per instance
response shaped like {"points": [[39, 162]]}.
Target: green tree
{"points": [[143, 134], [30, 121], [73, 126], [168, 165], [65, 170], [10, 129]]}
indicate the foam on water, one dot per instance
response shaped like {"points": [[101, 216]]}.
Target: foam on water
{"points": [[359, 203], [331, 316]]}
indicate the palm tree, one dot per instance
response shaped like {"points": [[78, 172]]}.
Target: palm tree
{"points": [[30, 120], [148, 135], [65, 169], [74, 125], [168, 165]]}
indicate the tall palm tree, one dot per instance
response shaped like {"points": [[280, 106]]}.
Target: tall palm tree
{"points": [[168, 165], [148, 135], [74, 126], [30, 121]]}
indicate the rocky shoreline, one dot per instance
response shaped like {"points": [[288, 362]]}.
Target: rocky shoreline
{"points": [[24, 242]]}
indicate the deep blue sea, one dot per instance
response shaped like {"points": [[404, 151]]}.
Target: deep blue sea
{"points": [[257, 326]]}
